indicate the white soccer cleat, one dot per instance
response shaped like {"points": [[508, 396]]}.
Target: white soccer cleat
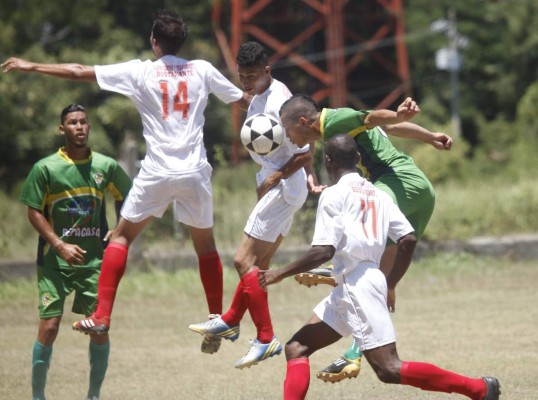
{"points": [[216, 327], [259, 352]]}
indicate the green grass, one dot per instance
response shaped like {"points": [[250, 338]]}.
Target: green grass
{"points": [[470, 314], [492, 207], [488, 206]]}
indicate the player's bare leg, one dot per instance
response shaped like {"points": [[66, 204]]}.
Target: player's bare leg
{"points": [[264, 260], [314, 335]]}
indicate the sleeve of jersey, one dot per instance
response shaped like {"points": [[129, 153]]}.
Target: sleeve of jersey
{"points": [[221, 87], [119, 183], [399, 226], [329, 225], [34, 190], [119, 78]]}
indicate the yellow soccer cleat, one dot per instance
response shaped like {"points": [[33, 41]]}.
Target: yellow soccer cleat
{"points": [[340, 369], [320, 275]]}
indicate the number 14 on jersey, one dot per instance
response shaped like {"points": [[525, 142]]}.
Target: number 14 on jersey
{"points": [[180, 100]]}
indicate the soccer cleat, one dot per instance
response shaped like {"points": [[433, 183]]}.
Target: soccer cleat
{"points": [[99, 326], [493, 388], [211, 343], [340, 369], [259, 352], [321, 274], [216, 327]]}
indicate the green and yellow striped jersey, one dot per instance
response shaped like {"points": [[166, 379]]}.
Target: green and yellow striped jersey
{"points": [[70, 193], [378, 154]]}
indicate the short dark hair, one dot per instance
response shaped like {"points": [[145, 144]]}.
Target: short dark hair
{"points": [[252, 54], [342, 149], [69, 109], [297, 106], [169, 30]]}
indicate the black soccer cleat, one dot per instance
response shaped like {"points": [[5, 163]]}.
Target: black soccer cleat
{"points": [[493, 388]]}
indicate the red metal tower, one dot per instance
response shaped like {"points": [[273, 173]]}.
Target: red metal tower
{"points": [[341, 52]]}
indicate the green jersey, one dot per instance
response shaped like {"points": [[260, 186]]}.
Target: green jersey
{"points": [[70, 193], [378, 155], [383, 164]]}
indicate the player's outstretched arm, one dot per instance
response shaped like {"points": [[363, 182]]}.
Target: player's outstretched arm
{"points": [[406, 111], [313, 258], [75, 72], [409, 130], [311, 179], [406, 248]]}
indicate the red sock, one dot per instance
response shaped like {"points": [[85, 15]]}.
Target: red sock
{"points": [[239, 305], [211, 275], [258, 306], [297, 379], [432, 378], [112, 269]]}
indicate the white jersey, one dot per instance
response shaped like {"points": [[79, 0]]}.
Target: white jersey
{"points": [[171, 95], [269, 102], [355, 217]]}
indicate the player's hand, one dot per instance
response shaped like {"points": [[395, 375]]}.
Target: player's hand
{"points": [[268, 277], [107, 236], [391, 300], [17, 64], [441, 141], [270, 182], [407, 110], [313, 186], [317, 189], [71, 253]]}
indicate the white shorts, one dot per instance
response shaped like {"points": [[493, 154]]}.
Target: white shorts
{"points": [[358, 307], [190, 193], [272, 216]]}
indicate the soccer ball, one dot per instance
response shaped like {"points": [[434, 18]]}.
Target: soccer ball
{"points": [[262, 134]]}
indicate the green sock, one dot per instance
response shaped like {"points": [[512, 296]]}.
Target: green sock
{"points": [[41, 357], [353, 352], [98, 365]]}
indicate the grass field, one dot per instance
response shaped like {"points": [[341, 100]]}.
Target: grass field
{"points": [[475, 316]]}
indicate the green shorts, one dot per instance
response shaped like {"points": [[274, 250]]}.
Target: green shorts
{"points": [[414, 195], [55, 284]]}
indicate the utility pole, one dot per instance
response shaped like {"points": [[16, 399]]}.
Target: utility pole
{"points": [[449, 59], [452, 34]]}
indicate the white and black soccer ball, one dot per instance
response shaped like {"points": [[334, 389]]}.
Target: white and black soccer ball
{"points": [[262, 134]]}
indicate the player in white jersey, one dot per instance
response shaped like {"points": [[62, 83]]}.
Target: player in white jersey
{"points": [[282, 190], [353, 221], [170, 94]]}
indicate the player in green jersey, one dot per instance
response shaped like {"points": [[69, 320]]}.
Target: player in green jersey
{"points": [[65, 193], [383, 164]]}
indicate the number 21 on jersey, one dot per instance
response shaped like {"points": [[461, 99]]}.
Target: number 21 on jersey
{"points": [[180, 100]]}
